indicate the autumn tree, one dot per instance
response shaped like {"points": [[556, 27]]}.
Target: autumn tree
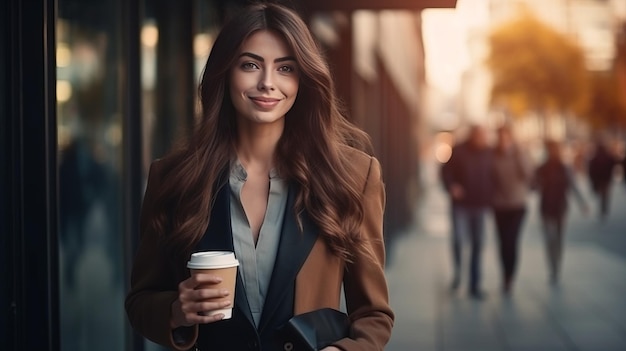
{"points": [[536, 68], [607, 108]]}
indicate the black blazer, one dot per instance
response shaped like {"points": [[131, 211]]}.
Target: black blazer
{"points": [[239, 332]]}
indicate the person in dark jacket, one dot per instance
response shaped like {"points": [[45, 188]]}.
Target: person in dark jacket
{"points": [[601, 167], [467, 177], [554, 181]]}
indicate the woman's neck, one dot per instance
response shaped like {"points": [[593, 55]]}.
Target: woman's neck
{"points": [[256, 146]]}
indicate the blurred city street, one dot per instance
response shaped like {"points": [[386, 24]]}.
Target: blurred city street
{"points": [[586, 311]]}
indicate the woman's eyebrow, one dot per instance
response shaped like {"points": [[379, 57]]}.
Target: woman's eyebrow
{"points": [[259, 58]]}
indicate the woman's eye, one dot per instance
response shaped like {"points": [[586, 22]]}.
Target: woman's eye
{"points": [[285, 69], [249, 66]]}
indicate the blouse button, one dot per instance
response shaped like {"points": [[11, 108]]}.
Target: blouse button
{"points": [[288, 346]]}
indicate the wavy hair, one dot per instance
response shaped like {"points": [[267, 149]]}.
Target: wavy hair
{"points": [[311, 153]]}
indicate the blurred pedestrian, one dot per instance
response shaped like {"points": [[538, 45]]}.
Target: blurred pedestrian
{"points": [[624, 168], [513, 173], [554, 180], [601, 166], [468, 178]]}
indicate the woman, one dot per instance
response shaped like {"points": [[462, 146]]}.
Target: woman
{"points": [[275, 173], [554, 181], [512, 176]]}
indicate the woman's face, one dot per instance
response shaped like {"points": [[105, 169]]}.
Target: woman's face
{"points": [[264, 80]]}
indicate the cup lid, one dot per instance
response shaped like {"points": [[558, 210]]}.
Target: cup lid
{"points": [[212, 260]]}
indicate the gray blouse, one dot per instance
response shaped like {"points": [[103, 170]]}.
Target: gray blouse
{"points": [[256, 263]]}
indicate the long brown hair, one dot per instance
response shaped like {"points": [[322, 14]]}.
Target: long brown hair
{"points": [[311, 153]]}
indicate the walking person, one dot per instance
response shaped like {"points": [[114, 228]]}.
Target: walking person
{"points": [[554, 180], [601, 166], [468, 178], [624, 169], [513, 174], [276, 174]]}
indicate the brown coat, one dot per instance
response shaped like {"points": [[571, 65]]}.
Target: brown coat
{"points": [[318, 282]]}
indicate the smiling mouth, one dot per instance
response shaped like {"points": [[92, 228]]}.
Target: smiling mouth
{"points": [[265, 102]]}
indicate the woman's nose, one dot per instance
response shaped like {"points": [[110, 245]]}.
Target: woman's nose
{"points": [[266, 81]]}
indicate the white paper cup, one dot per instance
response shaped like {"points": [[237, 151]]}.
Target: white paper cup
{"points": [[222, 264]]}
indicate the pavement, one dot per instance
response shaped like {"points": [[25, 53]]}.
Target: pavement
{"points": [[586, 311]]}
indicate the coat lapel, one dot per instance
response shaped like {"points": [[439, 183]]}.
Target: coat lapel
{"points": [[293, 250], [219, 237]]}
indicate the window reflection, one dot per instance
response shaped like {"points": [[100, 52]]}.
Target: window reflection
{"points": [[90, 90], [166, 61], [89, 144]]}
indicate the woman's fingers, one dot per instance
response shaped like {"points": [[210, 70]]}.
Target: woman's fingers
{"points": [[196, 298], [197, 280], [210, 306], [195, 308], [203, 294], [197, 295], [198, 319], [197, 313]]}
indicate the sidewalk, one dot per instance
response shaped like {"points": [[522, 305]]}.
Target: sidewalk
{"points": [[587, 311]]}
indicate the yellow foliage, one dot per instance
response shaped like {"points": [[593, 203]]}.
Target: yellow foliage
{"points": [[607, 105], [537, 68]]}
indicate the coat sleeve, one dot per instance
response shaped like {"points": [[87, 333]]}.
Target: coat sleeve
{"points": [[367, 297], [154, 281]]}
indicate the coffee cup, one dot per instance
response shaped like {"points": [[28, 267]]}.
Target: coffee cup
{"points": [[222, 264]]}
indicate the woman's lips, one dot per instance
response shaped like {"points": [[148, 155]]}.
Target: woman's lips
{"points": [[265, 102]]}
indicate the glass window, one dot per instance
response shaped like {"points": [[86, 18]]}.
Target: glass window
{"points": [[175, 41], [89, 96], [169, 60], [160, 127]]}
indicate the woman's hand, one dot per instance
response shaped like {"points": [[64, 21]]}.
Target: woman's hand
{"points": [[331, 348], [194, 298]]}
